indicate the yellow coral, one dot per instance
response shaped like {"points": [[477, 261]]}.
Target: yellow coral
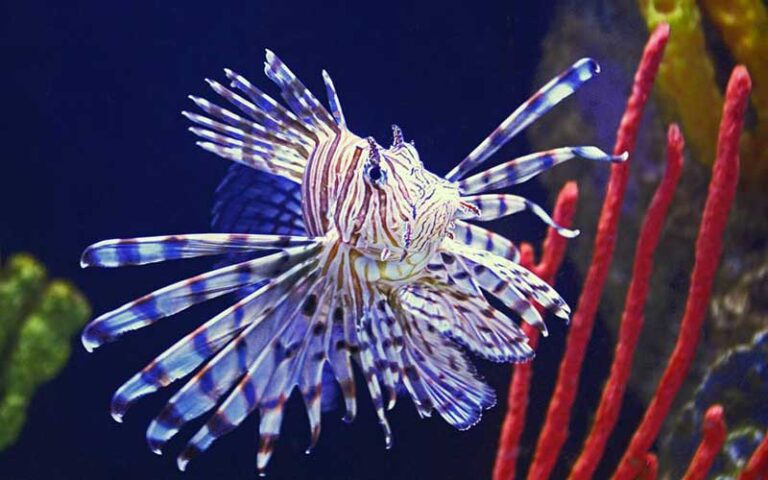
{"points": [[743, 25], [37, 320], [687, 81], [686, 76]]}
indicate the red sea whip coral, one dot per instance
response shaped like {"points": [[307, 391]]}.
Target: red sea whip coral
{"points": [[722, 190], [637, 460], [632, 318], [553, 252], [555, 430], [713, 438]]}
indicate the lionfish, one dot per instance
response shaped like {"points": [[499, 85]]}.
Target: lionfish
{"points": [[338, 249]]}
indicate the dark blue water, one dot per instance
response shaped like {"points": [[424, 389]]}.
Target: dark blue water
{"points": [[94, 147]]}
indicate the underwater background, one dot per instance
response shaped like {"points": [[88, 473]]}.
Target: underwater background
{"points": [[95, 147]]}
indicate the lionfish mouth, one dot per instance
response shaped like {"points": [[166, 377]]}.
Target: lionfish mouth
{"points": [[310, 302]]}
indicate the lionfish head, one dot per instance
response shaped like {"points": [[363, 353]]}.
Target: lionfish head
{"points": [[406, 211]]}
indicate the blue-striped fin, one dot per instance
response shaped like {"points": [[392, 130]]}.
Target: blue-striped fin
{"points": [[524, 168], [439, 377], [280, 119], [272, 350], [469, 319], [484, 239], [207, 340], [494, 272], [181, 295], [144, 250], [255, 346], [547, 97], [492, 206]]}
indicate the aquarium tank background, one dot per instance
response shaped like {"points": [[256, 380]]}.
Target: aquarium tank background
{"points": [[96, 148]]}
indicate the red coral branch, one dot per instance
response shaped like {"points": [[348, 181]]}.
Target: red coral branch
{"points": [[651, 468], [555, 429], [722, 189], [632, 318], [553, 252], [713, 438], [757, 467]]}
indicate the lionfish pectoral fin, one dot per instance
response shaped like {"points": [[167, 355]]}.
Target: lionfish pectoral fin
{"points": [[526, 167], [210, 338], [547, 97], [492, 207], [439, 377]]}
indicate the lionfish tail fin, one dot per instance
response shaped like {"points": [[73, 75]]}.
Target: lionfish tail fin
{"points": [[540, 102]]}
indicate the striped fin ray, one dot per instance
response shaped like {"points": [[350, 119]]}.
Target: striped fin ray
{"points": [[526, 167], [513, 299], [493, 206], [456, 274], [269, 381], [230, 366], [547, 97], [509, 296], [279, 119], [144, 250], [392, 341], [286, 130], [439, 377], [367, 358], [385, 358], [333, 101], [490, 271], [468, 319], [483, 239], [315, 361], [343, 345], [302, 101], [181, 295], [248, 143], [205, 341]]}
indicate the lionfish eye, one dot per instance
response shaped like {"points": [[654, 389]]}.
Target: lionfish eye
{"points": [[375, 173]]}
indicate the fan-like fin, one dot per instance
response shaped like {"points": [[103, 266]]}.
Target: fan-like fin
{"points": [[547, 97], [491, 271], [278, 118], [269, 381], [251, 347], [174, 298], [205, 341], [524, 168], [439, 377], [251, 201], [468, 319]]}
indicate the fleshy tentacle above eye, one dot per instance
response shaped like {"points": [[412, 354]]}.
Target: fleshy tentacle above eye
{"points": [[547, 97]]}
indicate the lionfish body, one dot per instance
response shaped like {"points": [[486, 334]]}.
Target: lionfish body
{"points": [[352, 252]]}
